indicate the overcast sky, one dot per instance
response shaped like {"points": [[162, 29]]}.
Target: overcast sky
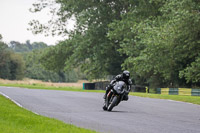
{"points": [[14, 19]]}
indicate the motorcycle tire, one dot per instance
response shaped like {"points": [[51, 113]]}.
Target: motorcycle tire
{"points": [[107, 101], [104, 107], [114, 101]]}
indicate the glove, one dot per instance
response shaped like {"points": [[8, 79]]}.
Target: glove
{"points": [[127, 92]]}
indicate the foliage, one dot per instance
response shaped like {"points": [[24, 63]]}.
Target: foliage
{"points": [[17, 66], [192, 73], [20, 47], [88, 45], [11, 64], [157, 40], [31, 53], [34, 69], [162, 43]]}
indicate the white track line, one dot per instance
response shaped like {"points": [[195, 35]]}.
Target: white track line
{"points": [[15, 102], [11, 99]]}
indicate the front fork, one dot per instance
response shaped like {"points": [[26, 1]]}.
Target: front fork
{"points": [[109, 101]]}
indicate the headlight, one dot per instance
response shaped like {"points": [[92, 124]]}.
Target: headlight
{"points": [[118, 90]]}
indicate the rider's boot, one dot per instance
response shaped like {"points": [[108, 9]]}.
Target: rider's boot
{"points": [[104, 97], [107, 90]]}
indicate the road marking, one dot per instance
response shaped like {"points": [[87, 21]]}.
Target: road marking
{"points": [[180, 102], [18, 104], [11, 99]]}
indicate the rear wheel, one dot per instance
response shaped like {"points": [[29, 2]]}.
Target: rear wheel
{"points": [[114, 101]]}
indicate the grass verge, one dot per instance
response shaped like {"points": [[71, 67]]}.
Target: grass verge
{"points": [[14, 119], [40, 86], [189, 99]]}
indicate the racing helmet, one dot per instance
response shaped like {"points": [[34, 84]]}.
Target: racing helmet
{"points": [[126, 75]]}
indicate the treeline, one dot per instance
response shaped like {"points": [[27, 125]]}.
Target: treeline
{"points": [[158, 41], [22, 60], [34, 69], [11, 64], [26, 47]]}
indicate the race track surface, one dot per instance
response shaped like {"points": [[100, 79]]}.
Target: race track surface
{"points": [[84, 109]]}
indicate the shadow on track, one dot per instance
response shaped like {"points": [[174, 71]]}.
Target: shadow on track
{"points": [[117, 111]]}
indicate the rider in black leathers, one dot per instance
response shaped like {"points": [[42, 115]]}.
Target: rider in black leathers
{"points": [[121, 77]]}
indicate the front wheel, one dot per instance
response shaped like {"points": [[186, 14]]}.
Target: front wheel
{"points": [[104, 107], [114, 101]]}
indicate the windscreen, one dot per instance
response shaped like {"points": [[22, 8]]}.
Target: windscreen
{"points": [[119, 85]]}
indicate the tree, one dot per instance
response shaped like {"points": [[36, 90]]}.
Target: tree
{"points": [[17, 67], [161, 43], [192, 72], [4, 61], [157, 40], [11, 64], [34, 69], [92, 50], [20, 47]]}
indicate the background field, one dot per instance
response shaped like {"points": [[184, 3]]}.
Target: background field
{"points": [[39, 82]]}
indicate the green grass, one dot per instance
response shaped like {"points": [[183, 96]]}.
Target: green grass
{"points": [[14, 119], [189, 99], [39, 86]]}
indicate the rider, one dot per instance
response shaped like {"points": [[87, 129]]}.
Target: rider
{"points": [[121, 77]]}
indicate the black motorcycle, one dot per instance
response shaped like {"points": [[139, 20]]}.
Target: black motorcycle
{"points": [[115, 95]]}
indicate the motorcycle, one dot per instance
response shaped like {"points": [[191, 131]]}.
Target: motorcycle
{"points": [[115, 95]]}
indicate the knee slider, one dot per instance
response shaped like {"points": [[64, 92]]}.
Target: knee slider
{"points": [[125, 98]]}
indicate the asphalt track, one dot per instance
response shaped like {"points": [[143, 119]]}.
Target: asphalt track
{"points": [[137, 115]]}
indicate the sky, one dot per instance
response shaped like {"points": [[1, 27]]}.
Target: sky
{"points": [[14, 19]]}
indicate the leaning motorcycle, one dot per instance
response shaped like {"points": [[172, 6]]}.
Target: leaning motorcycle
{"points": [[115, 95]]}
